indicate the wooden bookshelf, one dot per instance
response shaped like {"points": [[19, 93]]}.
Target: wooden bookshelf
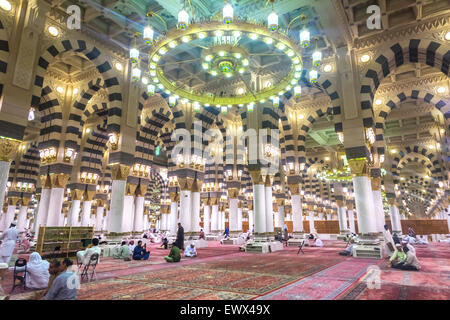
{"points": [[68, 238]]}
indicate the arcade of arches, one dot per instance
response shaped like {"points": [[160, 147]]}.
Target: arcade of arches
{"points": [[91, 120]]}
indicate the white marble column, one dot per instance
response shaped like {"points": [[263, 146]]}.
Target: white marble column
{"points": [[185, 209], [364, 205], [116, 220], [342, 215], [74, 213], [378, 208], [215, 218], [41, 217], [351, 219], [2, 220], [206, 219], [86, 214], [297, 213], [311, 222], [105, 225], [395, 219], [55, 207], [139, 215], [239, 219], [233, 215], [173, 218], [280, 220], [99, 218], [22, 219], [195, 214], [4, 173], [128, 213], [251, 220], [269, 209], [259, 208], [10, 213]]}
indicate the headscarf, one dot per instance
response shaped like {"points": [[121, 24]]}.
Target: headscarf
{"points": [[38, 272], [36, 263]]}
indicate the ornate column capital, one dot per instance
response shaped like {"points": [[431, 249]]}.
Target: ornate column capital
{"points": [[26, 201], [59, 180], [12, 201], [233, 193], [214, 201], [130, 189], [46, 182], [391, 202], [376, 183], [89, 195], [359, 167], [141, 190], [185, 183], [120, 171], [76, 194], [196, 185], [256, 176], [174, 197], [8, 148], [294, 188]]}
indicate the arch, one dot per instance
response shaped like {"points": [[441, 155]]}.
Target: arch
{"points": [[384, 110], [331, 90], [94, 150], [28, 168], [424, 51], [92, 53], [4, 55], [76, 120], [149, 131], [51, 119], [419, 153]]}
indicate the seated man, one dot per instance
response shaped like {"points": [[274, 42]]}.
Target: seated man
{"points": [[174, 255], [123, 253], [85, 255], [408, 247], [59, 289], [140, 252], [423, 240], [165, 242], [55, 270], [398, 258], [242, 247], [131, 245], [317, 242], [411, 262], [202, 234], [349, 250], [191, 251]]}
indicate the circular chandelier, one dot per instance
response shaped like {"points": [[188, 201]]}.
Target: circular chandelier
{"points": [[226, 52]]}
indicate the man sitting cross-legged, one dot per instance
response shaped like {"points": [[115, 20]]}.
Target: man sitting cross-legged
{"points": [[190, 251], [174, 255]]}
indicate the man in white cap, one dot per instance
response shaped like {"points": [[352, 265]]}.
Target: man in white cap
{"points": [[9, 238], [190, 251]]}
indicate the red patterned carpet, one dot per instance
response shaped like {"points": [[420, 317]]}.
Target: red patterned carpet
{"points": [[432, 282], [221, 272]]}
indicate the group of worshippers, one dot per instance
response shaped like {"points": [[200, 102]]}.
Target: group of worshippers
{"points": [[175, 253], [49, 279], [402, 252]]}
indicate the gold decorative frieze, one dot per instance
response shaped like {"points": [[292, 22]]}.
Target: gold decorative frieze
{"points": [[59, 180]]}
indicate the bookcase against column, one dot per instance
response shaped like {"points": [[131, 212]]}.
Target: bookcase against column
{"points": [[67, 238]]}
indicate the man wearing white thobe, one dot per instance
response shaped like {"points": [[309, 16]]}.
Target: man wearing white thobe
{"points": [[9, 238]]}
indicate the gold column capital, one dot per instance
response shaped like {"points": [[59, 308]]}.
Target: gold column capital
{"points": [[350, 206], [120, 171], [130, 189], [206, 202], [100, 203], [391, 201], [214, 201], [185, 183], [8, 148], [26, 201], [89, 195], [12, 201], [294, 188], [196, 186], [250, 205], [76, 194], [59, 180], [174, 197], [233, 193], [376, 183], [141, 190], [359, 167], [46, 182], [340, 203], [255, 174], [268, 181], [281, 202]]}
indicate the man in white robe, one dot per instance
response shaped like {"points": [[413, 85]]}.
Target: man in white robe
{"points": [[190, 251], [9, 238]]}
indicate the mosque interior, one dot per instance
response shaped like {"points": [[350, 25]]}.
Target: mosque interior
{"points": [[244, 117]]}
